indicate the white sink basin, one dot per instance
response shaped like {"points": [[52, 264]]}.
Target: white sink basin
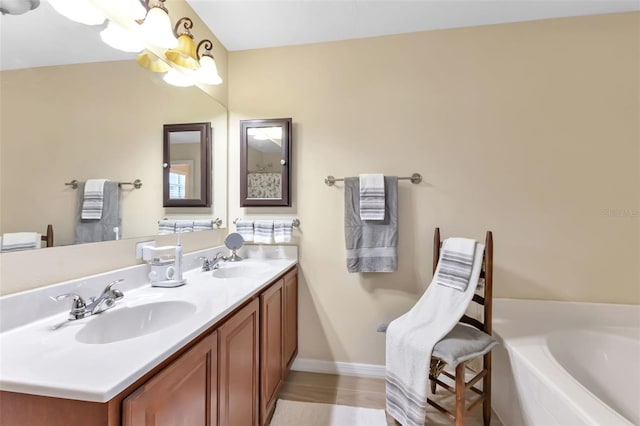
{"points": [[241, 270], [129, 322]]}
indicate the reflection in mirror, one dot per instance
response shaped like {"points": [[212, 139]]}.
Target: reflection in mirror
{"points": [[264, 166], [96, 120], [187, 165]]}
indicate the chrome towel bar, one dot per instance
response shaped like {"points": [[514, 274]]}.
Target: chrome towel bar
{"points": [[137, 184], [295, 224], [414, 178]]}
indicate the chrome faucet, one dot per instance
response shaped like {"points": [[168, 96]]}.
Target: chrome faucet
{"points": [[80, 309], [214, 263]]}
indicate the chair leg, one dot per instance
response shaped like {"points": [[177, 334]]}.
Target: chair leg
{"points": [[460, 388], [486, 390], [433, 386]]}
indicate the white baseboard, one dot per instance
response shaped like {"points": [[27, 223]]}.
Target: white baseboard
{"points": [[340, 368]]}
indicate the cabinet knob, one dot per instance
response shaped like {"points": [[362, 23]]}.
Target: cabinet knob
{"points": [[165, 165], [283, 162]]}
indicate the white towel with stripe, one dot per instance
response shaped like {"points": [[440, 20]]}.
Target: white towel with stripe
{"points": [[245, 228], [93, 199], [282, 230], [16, 241], [166, 226], [410, 340], [455, 263], [202, 225], [184, 226], [372, 196], [263, 231]]}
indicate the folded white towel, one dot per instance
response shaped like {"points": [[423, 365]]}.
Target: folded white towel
{"points": [[282, 230], [245, 228], [184, 226], [372, 196], [455, 263], [93, 199], [15, 241], [203, 225], [410, 340], [263, 231], [166, 227]]}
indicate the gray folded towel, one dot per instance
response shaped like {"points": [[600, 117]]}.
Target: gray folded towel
{"points": [[166, 226], [202, 225], [371, 246]]}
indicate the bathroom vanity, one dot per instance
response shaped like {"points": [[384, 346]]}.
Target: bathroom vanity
{"points": [[219, 358]]}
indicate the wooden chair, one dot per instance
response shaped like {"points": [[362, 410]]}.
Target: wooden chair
{"points": [[484, 326], [48, 237]]}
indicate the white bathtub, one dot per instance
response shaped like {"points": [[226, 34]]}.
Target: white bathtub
{"points": [[565, 363]]}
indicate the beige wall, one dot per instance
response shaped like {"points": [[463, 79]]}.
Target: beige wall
{"points": [[530, 130]]}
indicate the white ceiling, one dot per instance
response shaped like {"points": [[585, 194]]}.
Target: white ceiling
{"points": [[42, 37]]}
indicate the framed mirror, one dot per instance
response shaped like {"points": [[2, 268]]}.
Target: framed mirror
{"points": [[187, 165], [265, 155]]}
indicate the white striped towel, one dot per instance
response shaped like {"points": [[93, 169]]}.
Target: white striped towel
{"points": [[263, 231], [245, 228], [372, 196], [410, 340], [456, 262], [166, 227], [282, 230], [16, 241], [184, 226], [93, 199], [203, 225]]}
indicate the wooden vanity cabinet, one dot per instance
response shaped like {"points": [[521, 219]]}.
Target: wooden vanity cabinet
{"points": [[272, 362], [290, 318], [238, 340], [183, 393]]}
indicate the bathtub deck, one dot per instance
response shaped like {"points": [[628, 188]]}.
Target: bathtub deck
{"points": [[362, 392]]}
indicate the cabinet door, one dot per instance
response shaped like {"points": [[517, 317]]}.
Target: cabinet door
{"points": [[290, 317], [238, 368], [182, 394], [271, 347]]}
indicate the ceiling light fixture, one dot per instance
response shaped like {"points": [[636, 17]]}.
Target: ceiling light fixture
{"points": [[152, 62], [208, 71], [156, 28], [82, 11], [119, 38], [184, 55], [17, 7], [176, 78]]}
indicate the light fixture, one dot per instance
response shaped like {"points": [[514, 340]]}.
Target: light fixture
{"points": [[82, 11], [152, 62], [156, 28], [17, 7], [185, 54], [133, 10], [119, 38], [208, 71], [177, 78]]}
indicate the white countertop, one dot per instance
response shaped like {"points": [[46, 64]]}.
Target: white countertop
{"points": [[37, 359]]}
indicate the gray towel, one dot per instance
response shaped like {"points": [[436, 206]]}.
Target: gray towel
{"points": [[104, 229], [371, 246]]}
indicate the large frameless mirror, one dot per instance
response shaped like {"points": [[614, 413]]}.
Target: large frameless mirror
{"points": [[265, 152], [187, 165]]}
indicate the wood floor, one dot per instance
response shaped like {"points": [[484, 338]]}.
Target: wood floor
{"points": [[360, 392]]}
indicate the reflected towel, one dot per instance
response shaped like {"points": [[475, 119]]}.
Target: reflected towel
{"points": [[282, 230], [263, 231], [93, 199], [16, 241], [166, 227], [108, 227], [184, 226], [371, 245], [203, 225], [372, 196], [245, 228]]}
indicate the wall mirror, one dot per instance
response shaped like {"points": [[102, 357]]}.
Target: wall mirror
{"points": [[187, 165], [265, 155]]}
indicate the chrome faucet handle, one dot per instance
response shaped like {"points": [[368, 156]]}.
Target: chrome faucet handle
{"points": [[78, 306], [206, 263], [116, 294], [219, 256]]}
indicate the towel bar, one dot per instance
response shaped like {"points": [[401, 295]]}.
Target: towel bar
{"points": [[414, 178], [295, 224], [137, 184]]}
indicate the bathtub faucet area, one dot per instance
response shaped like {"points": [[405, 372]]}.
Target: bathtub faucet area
{"points": [[106, 300]]}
